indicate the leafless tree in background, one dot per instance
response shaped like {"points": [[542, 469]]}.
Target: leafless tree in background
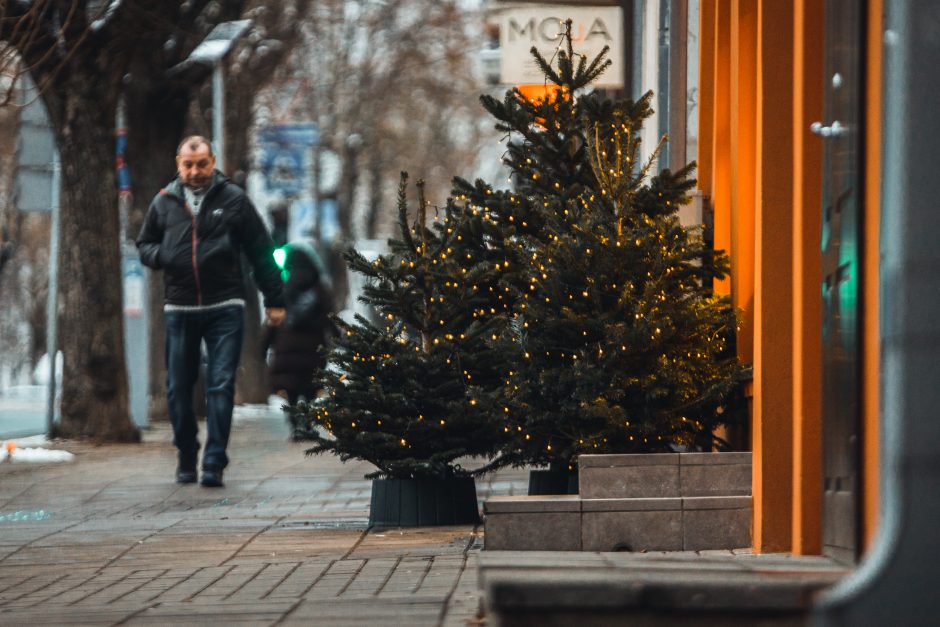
{"points": [[390, 83], [85, 55], [392, 86], [272, 38], [24, 251]]}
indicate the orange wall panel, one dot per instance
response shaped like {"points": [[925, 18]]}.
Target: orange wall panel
{"points": [[773, 285], [871, 345], [721, 134], [807, 299], [743, 155]]}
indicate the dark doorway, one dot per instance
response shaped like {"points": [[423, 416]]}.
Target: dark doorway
{"points": [[842, 217]]}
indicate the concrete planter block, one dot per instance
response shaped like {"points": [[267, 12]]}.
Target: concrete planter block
{"points": [[532, 523], [715, 474], [644, 502], [654, 475], [716, 523]]}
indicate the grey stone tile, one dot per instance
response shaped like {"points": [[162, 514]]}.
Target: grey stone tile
{"points": [[559, 531], [715, 479], [716, 529], [658, 480], [631, 531]]}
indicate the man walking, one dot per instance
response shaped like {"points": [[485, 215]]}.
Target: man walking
{"points": [[195, 231]]}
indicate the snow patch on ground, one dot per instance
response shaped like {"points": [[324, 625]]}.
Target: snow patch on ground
{"points": [[15, 451]]}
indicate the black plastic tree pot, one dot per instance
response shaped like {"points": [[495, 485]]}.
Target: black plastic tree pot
{"points": [[557, 479], [424, 502]]}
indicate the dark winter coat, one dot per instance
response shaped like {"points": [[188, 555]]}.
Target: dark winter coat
{"points": [[306, 328], [200, 255]]}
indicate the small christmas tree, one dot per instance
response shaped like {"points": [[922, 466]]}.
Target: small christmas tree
{"points": [[615, 340], [623, 348], [404, 393]]}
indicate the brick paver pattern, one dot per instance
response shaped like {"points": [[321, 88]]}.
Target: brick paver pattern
{"points": [[110, 539]]}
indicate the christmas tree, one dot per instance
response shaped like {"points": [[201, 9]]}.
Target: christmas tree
{"points": [[404, 393], [615, 341]]}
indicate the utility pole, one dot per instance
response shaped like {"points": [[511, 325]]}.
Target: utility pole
{"points": [[52, 301]]}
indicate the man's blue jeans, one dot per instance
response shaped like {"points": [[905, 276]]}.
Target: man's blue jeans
{"points": [[222, 331]]}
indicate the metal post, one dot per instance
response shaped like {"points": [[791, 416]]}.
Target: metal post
{"points": [[52, 296], [664, 71], [218, 114]]}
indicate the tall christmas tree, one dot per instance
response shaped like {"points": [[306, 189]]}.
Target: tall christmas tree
{"points": [[615, 341], [404, 393]]}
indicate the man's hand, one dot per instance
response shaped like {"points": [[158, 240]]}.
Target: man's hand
{"points": [[274, 315]]}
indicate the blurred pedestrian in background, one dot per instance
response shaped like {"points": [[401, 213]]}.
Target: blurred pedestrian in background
{"points": [[307, 326]]}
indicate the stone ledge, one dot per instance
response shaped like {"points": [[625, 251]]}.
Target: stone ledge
{"points": [[716, 502], [714, 459], [531, 504], [573, 503], [630, 505], [618, 461], [604, 597], [651, 589]]}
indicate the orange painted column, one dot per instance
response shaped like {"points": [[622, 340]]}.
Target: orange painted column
{"points": [[807, 272], [706, 94], [721, 134], [871, 344], [773, 266], [743, 154]]}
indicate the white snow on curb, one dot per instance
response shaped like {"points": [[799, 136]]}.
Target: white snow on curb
{"points": [[35, 455]]}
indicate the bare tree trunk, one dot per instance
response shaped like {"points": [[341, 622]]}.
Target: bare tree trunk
{"points": [[157, 408], [156, 118], [251, 385], [94, 385], [375, 193], [346, 190]]}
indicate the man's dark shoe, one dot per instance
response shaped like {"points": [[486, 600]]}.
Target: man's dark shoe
{"points": [[185, 475], [212, 477]]}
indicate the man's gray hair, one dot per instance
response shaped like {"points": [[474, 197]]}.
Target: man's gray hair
{"points": [[193, 142]]}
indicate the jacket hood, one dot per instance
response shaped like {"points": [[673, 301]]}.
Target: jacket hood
{"points": [[307, 249]]}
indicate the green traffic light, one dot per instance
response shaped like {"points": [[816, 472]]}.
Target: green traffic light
{"points": [[280, 258]]}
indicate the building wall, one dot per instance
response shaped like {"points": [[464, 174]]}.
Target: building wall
{"points": [[761, 86]]}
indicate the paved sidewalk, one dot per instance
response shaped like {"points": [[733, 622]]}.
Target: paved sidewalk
{"points": [[109, 539]]}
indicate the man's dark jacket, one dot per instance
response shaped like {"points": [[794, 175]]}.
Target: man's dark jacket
{"points": [[200, 254]]}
